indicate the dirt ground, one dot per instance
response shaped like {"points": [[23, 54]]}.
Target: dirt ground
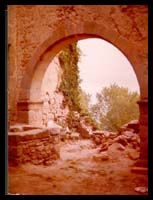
{"points": [[78, 173]]}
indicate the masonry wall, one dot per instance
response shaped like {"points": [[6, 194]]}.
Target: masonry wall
{"points": [[34, 146], [30, 26], [52, 77], [53, 106]]}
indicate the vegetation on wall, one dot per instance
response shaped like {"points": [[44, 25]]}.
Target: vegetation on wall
{"points": [[69, 86], [76, 99], [116, 105]]}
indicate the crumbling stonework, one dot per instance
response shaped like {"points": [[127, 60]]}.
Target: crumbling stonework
{"points": [[53, 108], [127, 141], [51, 100], [35, 146], [37, 33]]}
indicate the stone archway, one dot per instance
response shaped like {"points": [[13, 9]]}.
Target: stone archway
{"points": [[38, 63], [52, 45], [34, 44]]}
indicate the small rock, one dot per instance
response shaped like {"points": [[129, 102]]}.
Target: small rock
{"points": [[48, 162], [83, 130], [101, 157], [120, 147], [142, 190], [74, 135], [128, 133], [134, 145], [97, 140], [112, 135], [104, 147], [133, 155], [104, 156], [122, 140]]}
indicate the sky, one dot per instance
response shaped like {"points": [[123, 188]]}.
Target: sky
{"points": [[102, 64]]}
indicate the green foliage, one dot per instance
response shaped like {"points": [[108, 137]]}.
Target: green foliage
{"points": [[70, 78], [91, 121], [84, 100], [85, 109], [116, 106], [72, 121], [74, 96]]}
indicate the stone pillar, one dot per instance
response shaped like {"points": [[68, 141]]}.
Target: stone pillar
{"points": [[143, 107], [30, 112], [22, 112], [35, 113], [141, 165]]}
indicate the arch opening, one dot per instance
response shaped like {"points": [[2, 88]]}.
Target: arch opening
{"points": [[30, 93], [35, 101], [51, 52]]}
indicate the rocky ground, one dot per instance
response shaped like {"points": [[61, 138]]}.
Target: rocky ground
{"points": [[86, 166]]}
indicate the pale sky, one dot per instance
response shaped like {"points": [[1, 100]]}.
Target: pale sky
{"points": [[103, 64]]}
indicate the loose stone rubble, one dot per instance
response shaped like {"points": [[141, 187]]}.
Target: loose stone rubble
{"points": [[37, 145], [126, 140], [40, 145]]}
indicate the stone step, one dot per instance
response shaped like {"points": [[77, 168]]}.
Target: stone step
{"points": [[139, 170]]}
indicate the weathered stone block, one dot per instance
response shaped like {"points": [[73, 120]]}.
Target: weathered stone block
{"points": [[101, 157]]}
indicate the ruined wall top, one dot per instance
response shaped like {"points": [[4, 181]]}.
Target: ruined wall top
{"points": [[36, 23]]}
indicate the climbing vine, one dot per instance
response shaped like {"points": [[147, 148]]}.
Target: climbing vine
{"points": [[69, 86]]}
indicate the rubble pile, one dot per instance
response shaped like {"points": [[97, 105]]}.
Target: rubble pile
{"points": [[126, 140]]}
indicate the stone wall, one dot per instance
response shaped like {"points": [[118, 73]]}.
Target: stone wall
{"points": [[50, 106], [52, 77], [37, 146], [33, 29], [54, 109], [53, 100], [36, 33], [13, 67]]}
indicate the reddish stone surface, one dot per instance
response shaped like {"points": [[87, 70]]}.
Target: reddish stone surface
{"points": [[37, 33], [82, 169], [40, 27], [36, 146]]}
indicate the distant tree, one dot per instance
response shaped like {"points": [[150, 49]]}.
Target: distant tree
{"points": [[85, 109], [116, 106]]}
